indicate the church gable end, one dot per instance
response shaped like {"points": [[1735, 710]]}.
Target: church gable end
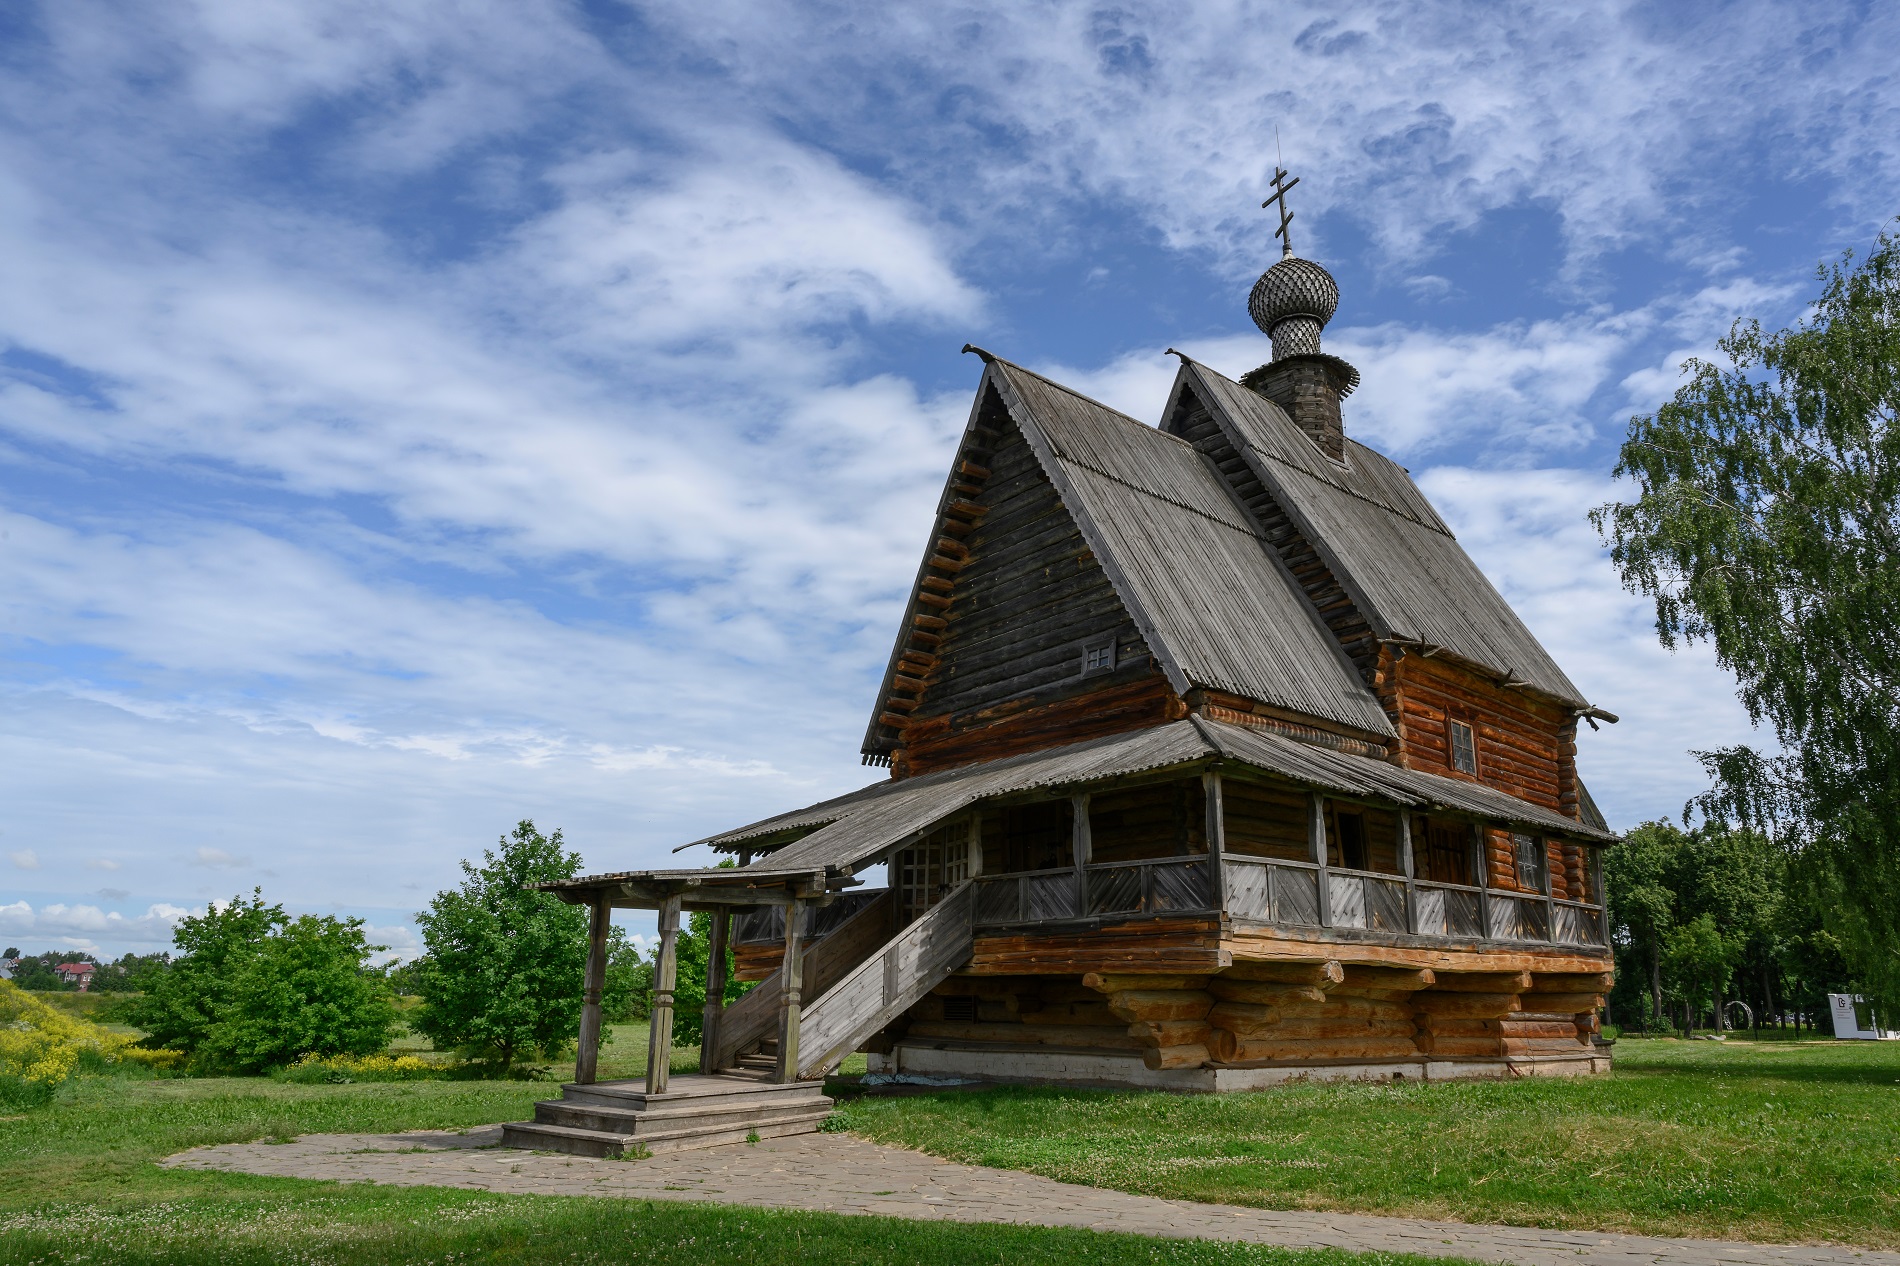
{"points": [[1024, 642]]}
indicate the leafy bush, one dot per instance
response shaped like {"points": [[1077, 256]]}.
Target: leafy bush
{"points": [[344, 1069], [40, 1047], [502, 977], [254, 989]]}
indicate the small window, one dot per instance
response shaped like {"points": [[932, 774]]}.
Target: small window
{"points": [[1098, 657], [1464, 749], [960, 1009], [1528, 851]]}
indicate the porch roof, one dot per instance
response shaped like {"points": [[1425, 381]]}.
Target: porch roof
{"points": [[858, 829]]}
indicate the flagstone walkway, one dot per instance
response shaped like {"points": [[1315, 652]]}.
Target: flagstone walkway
{"points": [[838, 1173]]}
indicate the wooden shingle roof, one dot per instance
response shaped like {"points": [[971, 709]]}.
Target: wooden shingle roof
{"points": [[1403, 567]]}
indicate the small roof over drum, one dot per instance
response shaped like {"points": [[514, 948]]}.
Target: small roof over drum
{"points": [[811, 847]]}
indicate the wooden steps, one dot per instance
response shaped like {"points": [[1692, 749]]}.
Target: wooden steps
{"points": [[615, 1118]]}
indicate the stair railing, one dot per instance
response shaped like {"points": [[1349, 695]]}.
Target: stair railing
{"points": [[748, 1022], [887, 984]]}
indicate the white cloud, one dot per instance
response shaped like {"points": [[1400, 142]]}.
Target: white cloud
{"points": [[84, 926], [1529, 532], [218, 857], [101, 863], [24, 858]]}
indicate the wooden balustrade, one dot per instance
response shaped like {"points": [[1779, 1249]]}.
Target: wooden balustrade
{"points": [[1287, 894]]}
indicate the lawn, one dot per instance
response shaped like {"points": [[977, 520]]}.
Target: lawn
{"points": [[1768, 1141], [78, 1183]]}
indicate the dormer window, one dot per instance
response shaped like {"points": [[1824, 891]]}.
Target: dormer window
{"points": [[1464, 748], [1098, 657]]}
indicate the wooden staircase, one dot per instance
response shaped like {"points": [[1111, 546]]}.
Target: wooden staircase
{"points": [[863, 979], [619, 1118]]}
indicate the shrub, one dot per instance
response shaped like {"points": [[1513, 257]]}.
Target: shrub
{"points": [[253, 988], [344, 1069], [40, 1047]]}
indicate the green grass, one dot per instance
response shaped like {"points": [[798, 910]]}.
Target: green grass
{"points": [[78, 1183], [1765, 1141]]}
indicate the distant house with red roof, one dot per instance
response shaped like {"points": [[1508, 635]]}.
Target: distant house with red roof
{"points": [[77, 973]]}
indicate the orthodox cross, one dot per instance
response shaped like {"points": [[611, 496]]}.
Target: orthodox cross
{"points": [[1280, 185]]}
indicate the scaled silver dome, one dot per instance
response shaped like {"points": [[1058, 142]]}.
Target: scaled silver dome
{"points": [[1293, 287]]}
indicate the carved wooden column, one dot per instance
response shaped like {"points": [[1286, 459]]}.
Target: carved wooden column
{"points": [[715, 1011], [1481, 849], [1081, 844], [587, 1057], [1316, 836], [1216, 840], [666, 967], [791, 976], [1410, 868]]}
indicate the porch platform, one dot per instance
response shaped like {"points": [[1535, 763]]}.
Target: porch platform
{"points": [[616, 1118]]}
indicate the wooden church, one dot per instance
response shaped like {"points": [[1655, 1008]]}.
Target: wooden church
{"points": [[1215, 762]]}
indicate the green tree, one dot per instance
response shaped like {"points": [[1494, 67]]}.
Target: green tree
{"points": [[129, 972], [307, 990], [502, 977], [1768, 525], [627, 992], [180, 1006], [1636, 873]]}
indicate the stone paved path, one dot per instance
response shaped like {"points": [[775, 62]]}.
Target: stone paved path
{"points": [[838, 1173]]}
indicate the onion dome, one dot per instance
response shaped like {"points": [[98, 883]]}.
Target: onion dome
{"points": [[1291, 303]]}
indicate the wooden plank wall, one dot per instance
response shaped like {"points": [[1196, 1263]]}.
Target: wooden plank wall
{"points": [[1006, 675], [1158, 820], [1266, 820]]}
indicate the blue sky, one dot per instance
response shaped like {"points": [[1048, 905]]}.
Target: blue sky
{"points": [[415, 418]]}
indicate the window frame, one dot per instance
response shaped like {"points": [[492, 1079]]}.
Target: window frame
{"points": [[1452, 726], [1103, 646]]}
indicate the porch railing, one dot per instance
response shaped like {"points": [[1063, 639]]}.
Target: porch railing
{"points": [[1158, 886], [1288, 893]]}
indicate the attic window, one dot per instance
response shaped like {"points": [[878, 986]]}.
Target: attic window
{"points": [[1098, 656], [1464, 749]]}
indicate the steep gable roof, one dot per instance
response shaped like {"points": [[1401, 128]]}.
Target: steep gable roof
{"points": [[1212, 600], [1381, 538]]}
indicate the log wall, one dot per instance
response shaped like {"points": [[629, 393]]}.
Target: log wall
{"points": [[1525, 747], [1265, 1012], [1006, 670]]}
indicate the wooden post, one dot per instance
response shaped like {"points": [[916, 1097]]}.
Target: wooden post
{"points": [[1410, 868], [1216, 839], [791, 973], [1481, 852], [1316, 831], [715, 991], [1080, 846], [587, 1057], [665, 976]]}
